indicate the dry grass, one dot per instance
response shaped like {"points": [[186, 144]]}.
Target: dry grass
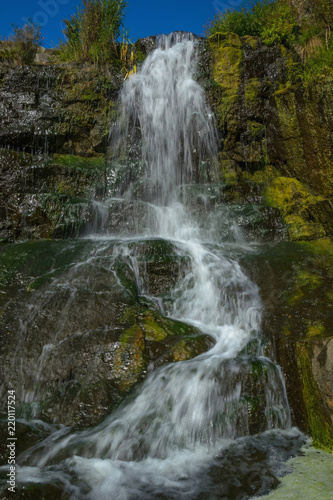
{"points": [[310, 49]]}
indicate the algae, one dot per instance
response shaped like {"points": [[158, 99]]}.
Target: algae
{"points": [[310, 477]]}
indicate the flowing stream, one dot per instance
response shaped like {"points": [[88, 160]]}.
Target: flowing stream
{"points": [[185, 418]]}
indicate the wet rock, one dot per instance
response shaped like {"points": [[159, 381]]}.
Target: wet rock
{"points": [[46, 197], [75, 335], [57, 108], [295, 281]]}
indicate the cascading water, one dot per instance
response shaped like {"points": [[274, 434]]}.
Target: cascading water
{"points": [[167, 107], [162, 442]]}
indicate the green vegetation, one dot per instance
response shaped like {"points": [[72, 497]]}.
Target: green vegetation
{"points": [[23, 45], [93, 32], [319, 63], [305, 26], [273, 21], [86, 165]]}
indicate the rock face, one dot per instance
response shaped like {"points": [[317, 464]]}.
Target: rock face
{"points": [[62, 109], [295, 281], [57, 109], [264, 119], [279, 136], [276, 142]]}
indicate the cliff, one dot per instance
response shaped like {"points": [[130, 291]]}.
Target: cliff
{"points": [[275, 151]]}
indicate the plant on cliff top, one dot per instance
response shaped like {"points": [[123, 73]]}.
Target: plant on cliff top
{"points": [[315, 13], [92, 32], [25, 41], [319, 64], [272, 20]]}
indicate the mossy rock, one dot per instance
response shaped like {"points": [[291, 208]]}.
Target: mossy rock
{"points": [[298, 206], [129, 360], [262, 177], [86, 165], [189, 348], [225, 39], [226, 49], [257, 130], [253, 41], [251, 91], [319, 420], [305, 120], [230, 171]]}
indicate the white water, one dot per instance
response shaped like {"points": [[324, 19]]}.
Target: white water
{"points": [[176, 126], [164, 438]]}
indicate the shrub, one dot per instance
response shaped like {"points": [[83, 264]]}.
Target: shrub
{"points": [[272, 20], [93, 30], [25, 41], [320, 64]]}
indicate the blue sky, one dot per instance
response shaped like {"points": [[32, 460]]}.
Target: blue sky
{"points": [[142, 17]]}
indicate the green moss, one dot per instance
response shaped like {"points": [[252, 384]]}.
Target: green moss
{"points": [[129, 360], [229, 171], [227, 55], [256, 129], [251, 40], [251, 91], [309, 280], [287, 112], [156, 327], [189, 348], [264, 176], [65, 187], [80, 163], [152, 330], [315, 329], [130, 334], [319, 426], [90, 96], [304, 282], [219, 39], [297, 205], [323, 251], [299, 230], [226, 69]]}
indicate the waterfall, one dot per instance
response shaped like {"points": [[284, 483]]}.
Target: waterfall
{"points": [[162, 440], [165, 106]]}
